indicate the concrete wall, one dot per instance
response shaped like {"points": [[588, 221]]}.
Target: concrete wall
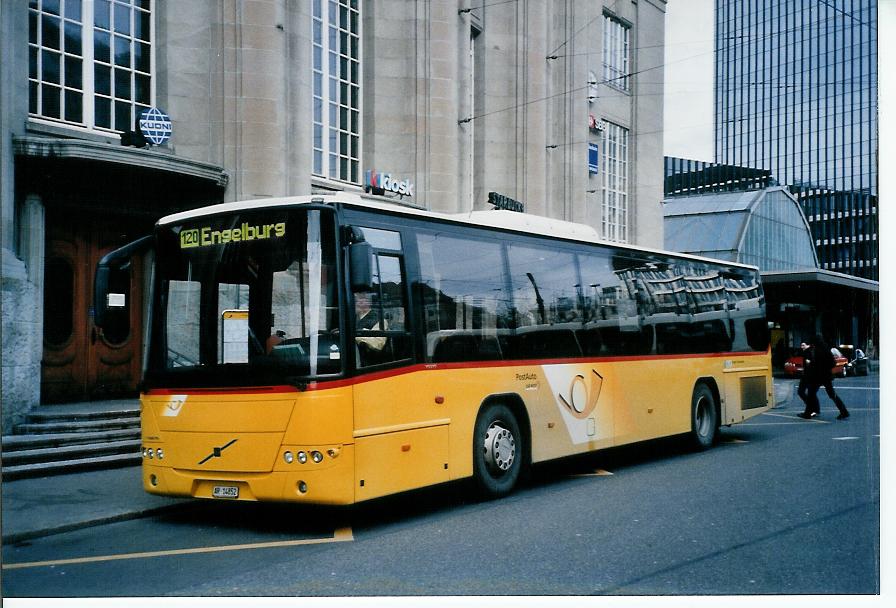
{"points": [[21, 234], [507, 119], [235, 78], [462, 103]]}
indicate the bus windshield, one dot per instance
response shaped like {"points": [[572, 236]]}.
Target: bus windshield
{"points": [[249, 298]]}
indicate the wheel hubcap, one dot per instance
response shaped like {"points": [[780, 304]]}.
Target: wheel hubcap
{"points": [[499, 448], [702, 417]]}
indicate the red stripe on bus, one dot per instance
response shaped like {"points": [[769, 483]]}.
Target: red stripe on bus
{"points": [[373, 376], [223, 390]]}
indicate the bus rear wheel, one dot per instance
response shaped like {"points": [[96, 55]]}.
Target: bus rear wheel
{"points": [[704, 417], [497, 451]]}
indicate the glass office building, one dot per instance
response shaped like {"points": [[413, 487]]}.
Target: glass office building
{"points": [[796, 94]]}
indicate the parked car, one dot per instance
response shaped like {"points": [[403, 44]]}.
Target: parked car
{"points": [[795, 364], [858, 362]]}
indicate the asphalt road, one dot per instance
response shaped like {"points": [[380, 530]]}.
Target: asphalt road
{"points": [[780, 506]]}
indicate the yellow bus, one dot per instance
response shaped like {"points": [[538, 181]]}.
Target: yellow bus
{"points": [[334, 349]]}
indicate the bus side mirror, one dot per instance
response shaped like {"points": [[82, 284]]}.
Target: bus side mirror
{"points": [[114, 260], [360, 262]]}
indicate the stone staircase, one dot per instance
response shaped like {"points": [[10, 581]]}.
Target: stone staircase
{"points": [[73, 437]]}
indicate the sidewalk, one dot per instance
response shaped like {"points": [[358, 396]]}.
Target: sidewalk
{"points": [[61, 503]]}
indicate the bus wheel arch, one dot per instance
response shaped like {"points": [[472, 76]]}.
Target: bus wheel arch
{"points": [[501, 445], [706, 414]]}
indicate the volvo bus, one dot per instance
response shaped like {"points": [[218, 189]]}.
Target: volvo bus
{"points": [[334, 349]]}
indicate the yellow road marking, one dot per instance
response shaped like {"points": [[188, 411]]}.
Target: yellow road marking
{"points": [[339, 536], [597, 473], [816, 419], [773, 423]]}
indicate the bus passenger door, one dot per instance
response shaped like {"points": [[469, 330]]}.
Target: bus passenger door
{"points": [[401, 436]]}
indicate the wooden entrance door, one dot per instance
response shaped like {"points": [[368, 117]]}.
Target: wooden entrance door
{"points": [[80, 362]]}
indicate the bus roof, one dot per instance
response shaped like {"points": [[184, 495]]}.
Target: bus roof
{"points": [[499, 219]]}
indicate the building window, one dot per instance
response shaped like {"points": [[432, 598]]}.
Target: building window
{"points": [[614, 205], [90, 62], [616, 47], [336, 49]]}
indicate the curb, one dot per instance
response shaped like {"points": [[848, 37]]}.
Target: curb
{"points": [[18, 537]]}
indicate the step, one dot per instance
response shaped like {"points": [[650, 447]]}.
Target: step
{"points": [[69, 466], [43, 416], [12, 443], [69, 427], [128, 446]]}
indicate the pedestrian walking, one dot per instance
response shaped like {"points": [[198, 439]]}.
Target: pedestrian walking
{"points": [[806, 352], [817, 373]]}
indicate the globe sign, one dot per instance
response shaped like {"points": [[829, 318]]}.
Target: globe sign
{"points": [[155, 126]]}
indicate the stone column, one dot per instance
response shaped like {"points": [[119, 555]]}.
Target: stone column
{"points": [[21, 289]]}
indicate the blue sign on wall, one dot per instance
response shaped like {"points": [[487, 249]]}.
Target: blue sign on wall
{"points": [[593, 158], [155, 126]]}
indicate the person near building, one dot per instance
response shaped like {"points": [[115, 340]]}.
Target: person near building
{"points": [[817, 373]]}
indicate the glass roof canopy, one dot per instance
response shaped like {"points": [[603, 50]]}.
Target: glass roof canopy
{"points": [[765, 228]]}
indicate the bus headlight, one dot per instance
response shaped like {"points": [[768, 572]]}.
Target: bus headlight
{"points": [[288, 457], [303, 457], [316, 456], [160, 454]]}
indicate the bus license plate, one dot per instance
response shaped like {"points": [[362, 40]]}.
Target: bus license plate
{"points": [[226, 492]]}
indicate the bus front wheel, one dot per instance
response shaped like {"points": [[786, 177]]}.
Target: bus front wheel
{"points": [[704, 417], [497, 451]]}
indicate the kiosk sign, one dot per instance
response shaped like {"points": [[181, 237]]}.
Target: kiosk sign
{"points": [[155, 126], [380, 183]]}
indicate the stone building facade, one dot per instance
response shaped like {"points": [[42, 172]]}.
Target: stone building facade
{"points": [[556, 104]]}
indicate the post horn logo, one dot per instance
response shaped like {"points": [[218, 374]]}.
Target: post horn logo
{"points": [[582, 398]]}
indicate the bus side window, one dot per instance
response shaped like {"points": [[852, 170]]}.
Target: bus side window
{"points": [[467, 313], [380, 329]]}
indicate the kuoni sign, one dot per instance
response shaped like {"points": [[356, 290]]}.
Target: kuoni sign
{"points": [[155, 126], [380, 183]]}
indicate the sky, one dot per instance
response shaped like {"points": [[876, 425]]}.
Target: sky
{"points": [[688, 108]]}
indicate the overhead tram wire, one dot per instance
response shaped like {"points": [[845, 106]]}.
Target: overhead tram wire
{"points": [[850, 15], [656, 67], [867, 105], [553, 54], [464, 11]]}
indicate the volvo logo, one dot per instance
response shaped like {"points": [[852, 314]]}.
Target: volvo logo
{"points": [[216, 452]]}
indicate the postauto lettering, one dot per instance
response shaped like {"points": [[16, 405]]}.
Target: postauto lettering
{"points": [[205, 236]]}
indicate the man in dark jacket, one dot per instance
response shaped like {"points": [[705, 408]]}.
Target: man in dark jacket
{"points": [[817, 371]]}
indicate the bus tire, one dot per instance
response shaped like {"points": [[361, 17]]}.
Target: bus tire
{"points": [[704, 417], [498, 451]]}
